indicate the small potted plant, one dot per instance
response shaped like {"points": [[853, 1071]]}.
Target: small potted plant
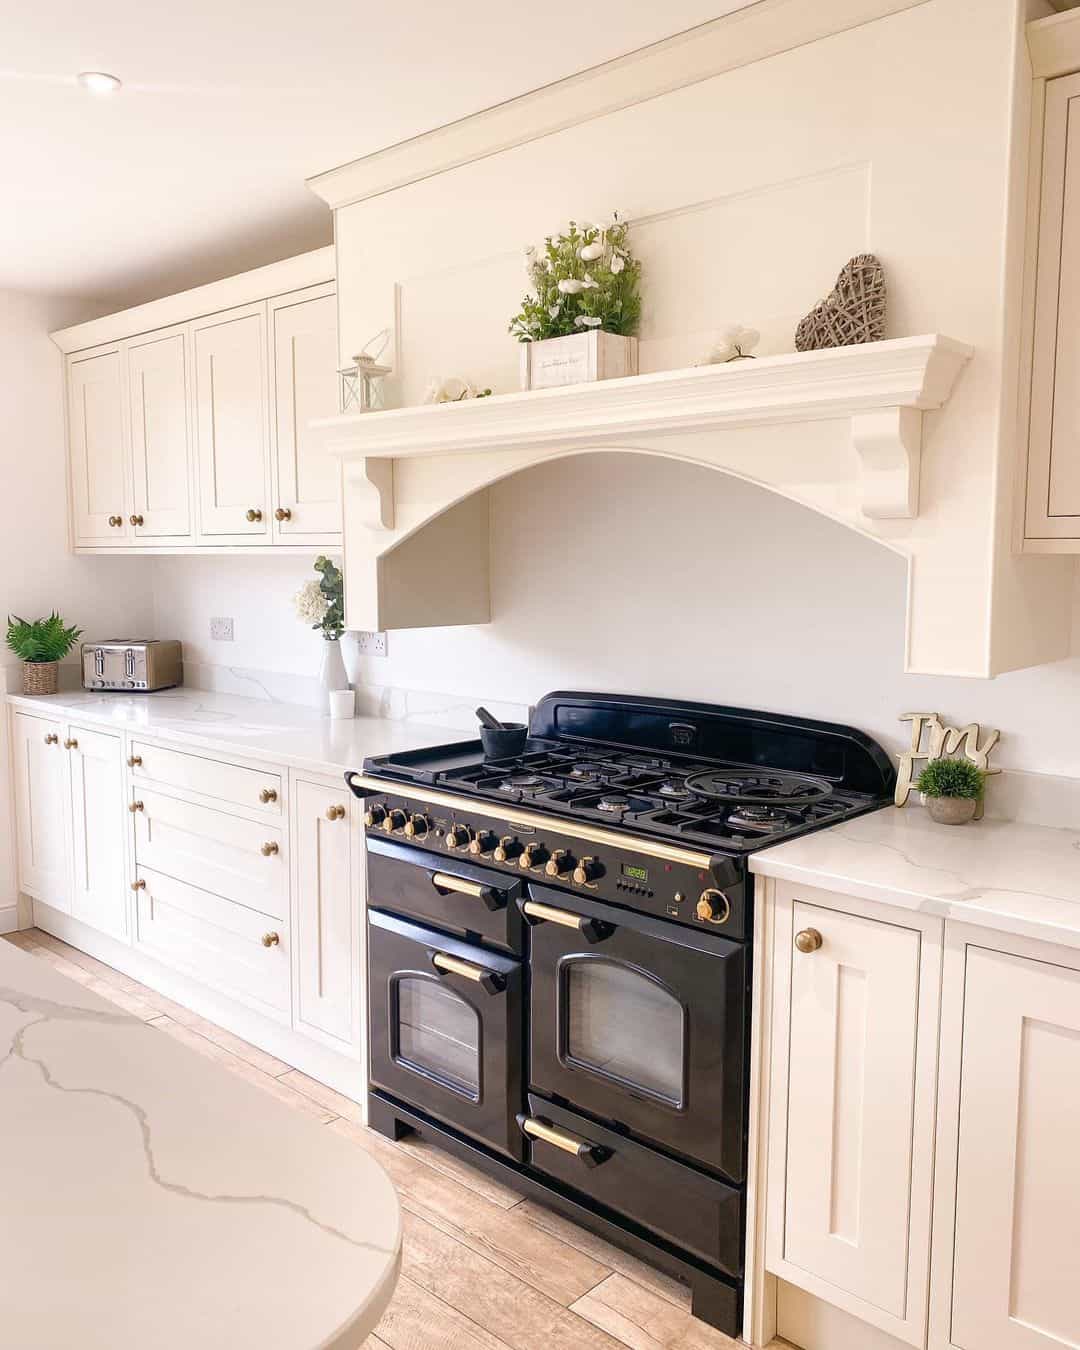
{"points": [[581, 322], [952, 790], [40, 646], [322, 605]]}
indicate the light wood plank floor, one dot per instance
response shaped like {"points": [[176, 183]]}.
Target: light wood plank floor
{"points": [[482, 1267]]}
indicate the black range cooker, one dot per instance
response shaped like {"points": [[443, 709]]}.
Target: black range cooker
{"points": [[559, 961]]}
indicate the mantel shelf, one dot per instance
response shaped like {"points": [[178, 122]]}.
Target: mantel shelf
{"points": [[883, 388]]}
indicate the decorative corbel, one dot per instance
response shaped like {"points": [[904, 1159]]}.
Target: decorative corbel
{"points": [[888, 442], [369, 485]]}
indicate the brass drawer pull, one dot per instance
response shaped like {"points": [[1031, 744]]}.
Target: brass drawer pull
{"points": [[139, 885], [52, 738], [809, 940], [283, 513], [71, 744], [489, 980], [268, 795], [592, 930], [136, 520], [335, 813], [114, 521], [253, 515], [136, 806], [134, 761], [271, 939], [590, 1154], [269, 849]]}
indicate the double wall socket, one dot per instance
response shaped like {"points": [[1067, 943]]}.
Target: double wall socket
{"points": [[371, 644], [221, 630]]}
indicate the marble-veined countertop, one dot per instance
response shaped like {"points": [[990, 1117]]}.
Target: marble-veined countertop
{"points": [[1017, 878], [151, 1198]]}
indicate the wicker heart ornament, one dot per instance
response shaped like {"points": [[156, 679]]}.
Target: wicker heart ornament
{"points": [[854, 311]]}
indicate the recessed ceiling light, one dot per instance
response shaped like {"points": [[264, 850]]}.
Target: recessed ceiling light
{"points": [[98, 82]]}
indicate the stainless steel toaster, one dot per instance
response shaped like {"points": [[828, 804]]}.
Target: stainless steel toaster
{"points": [[132, 663]]}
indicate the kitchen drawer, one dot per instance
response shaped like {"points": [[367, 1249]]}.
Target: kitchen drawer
{"points": [[212, 850], [235, 950], [693, 1210], [209, 777]]}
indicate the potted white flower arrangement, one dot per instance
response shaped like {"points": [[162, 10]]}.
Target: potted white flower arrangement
{"points": [[321, 604], [582, 321]]}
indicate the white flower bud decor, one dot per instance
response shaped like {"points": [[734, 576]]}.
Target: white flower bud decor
{"points": [[734, 343]]}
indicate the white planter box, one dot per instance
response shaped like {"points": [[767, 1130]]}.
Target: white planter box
{"points": [[577, 359]]}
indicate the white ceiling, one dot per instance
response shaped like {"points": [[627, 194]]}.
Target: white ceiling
{"points": [[196, 168]]}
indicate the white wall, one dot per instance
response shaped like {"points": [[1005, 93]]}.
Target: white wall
{"points": [[628, 573], [37, 573]]}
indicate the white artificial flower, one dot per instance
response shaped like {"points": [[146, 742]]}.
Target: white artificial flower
{"points": [[591, 252], [553, 311], [571, 286], [587, 321], [530, 249], [588, 284], [310, 603], [618, 262], [733, 342], [549, 265]]}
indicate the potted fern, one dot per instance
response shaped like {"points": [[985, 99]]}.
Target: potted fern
{"points": [[40, 646], [952, 790]]}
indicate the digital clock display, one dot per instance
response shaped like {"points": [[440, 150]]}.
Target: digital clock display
{"points": [[635, 873]]}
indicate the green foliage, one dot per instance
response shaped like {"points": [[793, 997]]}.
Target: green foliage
{"points": [[575, 293], [332, 585], [42, 641], [952, 778]]}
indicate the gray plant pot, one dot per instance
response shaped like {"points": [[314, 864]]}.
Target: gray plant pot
{"points": [[951, 810]]}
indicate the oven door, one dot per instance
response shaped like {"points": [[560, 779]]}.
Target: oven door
{"points": [[641, 1023], [445, 1029]]}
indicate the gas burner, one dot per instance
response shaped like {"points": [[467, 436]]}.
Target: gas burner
{"points": [[615, 803], [673, 791], [516, 782], [760, 818], [760, 789], [585, 773]]}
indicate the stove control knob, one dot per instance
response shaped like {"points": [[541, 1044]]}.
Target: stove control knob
{"points": [[457, 836], [533, 856], [588, 869], [484, 842], [508, 849], [394, 821], [374, 815], [713, 907], [417, 826], [559, 863]]}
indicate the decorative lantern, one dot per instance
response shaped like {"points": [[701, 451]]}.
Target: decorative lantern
{"points": [[361, 385]]}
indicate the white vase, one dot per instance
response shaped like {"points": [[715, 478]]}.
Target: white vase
{"points": [[333, 674]]}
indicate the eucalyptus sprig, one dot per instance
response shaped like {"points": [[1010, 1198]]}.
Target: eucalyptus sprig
{"points": [[584, 278], [43, 640]]}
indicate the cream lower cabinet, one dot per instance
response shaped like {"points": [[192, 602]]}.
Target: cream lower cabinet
{"points": [[98, 830], [42, 814], [854, 1060]]}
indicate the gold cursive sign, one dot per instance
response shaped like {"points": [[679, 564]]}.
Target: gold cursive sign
{"points": [[932, 739]]}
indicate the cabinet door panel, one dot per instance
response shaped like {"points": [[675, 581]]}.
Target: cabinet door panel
{"points": [[305, 388], [41, 808], [98, 831], [324, 928], [231, 422], [98, 449], [158, 395], [1018, 1175]]}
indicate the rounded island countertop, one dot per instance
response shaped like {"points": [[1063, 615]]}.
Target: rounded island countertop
{"points": [[153, 1201]]}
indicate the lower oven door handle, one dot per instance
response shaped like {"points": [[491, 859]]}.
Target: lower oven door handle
{"points": [[489, 980], [592, 930], [493, 899], [592, 1155]]}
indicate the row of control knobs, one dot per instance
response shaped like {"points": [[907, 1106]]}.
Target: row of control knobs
{"points": [[556, 863]]}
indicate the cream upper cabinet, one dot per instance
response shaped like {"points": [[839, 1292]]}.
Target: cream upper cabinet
{"points": [[42, 815], [231, 423], [160, 435], [303, 344], [97, 431], [1052, 512], [98, 829], [1015, 1254], [852, 1114]]}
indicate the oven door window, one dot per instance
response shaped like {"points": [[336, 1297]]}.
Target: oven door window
{"points": [[436, 1033], [621, 1024]]}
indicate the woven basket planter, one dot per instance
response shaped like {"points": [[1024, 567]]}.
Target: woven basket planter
{"points": [[39, 677]]}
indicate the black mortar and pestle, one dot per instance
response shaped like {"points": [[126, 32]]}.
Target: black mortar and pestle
{"points": [[501, 740]]}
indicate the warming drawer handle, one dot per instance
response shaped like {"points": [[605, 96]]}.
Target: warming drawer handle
{"points": [[489, 980], [493, 899], [592, 930], [589, 1153]]}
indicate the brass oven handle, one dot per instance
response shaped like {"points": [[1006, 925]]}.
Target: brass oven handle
{"points": [[582, 1148], [494, 899], [491, 981], [592, 930]]}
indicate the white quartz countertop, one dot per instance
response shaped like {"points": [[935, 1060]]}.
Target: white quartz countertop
{"points": [[150, 1198], [285, 733], [1022, 879]]}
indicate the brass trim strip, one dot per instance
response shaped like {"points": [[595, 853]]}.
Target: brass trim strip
{"points": [[549, 914], [569, 1143], [453, 966], [533, 820], [445, 882]]}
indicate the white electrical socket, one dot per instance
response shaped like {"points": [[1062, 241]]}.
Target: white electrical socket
{"points": [[221, 630], [371, 644]]}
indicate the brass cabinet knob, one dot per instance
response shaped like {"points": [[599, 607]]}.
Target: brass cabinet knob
{"points": [[115, 521], [136, 806], [52, 738], [268, 795], [253, 515], [271, 939], [283, 513], [335, 813], [134, 761], [809, 940], [139, 885], [269, 849], [71, 744], [136, 520]]}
